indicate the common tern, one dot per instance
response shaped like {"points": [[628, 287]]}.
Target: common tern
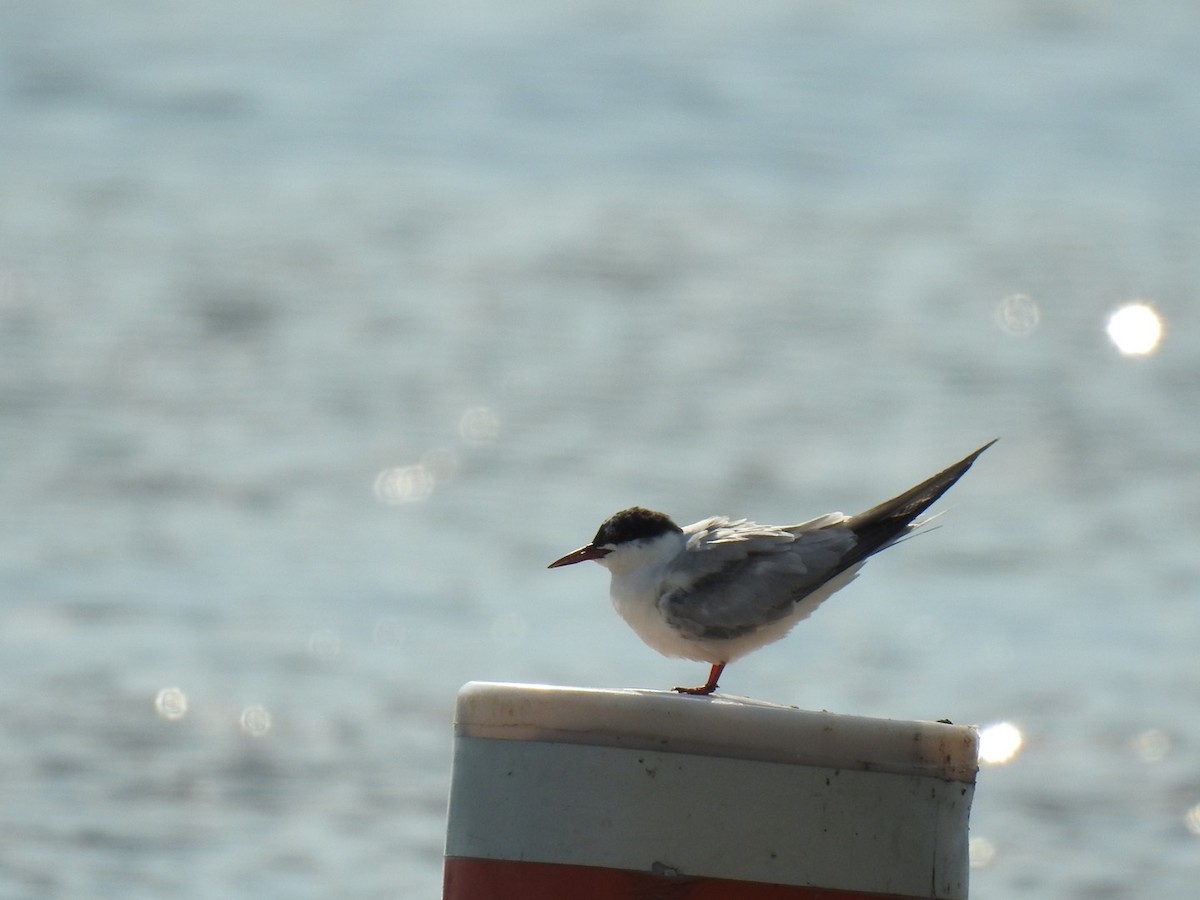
{"points": [[718, 589]]}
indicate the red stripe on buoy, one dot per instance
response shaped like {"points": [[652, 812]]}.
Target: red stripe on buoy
{"points": [[500, 879]]}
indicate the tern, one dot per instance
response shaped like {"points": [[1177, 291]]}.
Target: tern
{"points": [[721, 588]]}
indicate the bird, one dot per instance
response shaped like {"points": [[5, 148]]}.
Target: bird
{"points": [[721, 588]]}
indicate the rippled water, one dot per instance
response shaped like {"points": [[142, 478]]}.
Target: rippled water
{"points": [[324, 327]]}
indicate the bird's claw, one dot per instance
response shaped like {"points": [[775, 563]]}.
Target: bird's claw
{"points": [[703, 691]]}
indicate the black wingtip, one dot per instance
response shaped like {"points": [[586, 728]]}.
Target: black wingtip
{"points": [[972, 457], [880, 525]]}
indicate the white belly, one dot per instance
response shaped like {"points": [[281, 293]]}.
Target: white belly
{"points": [[639, 608]]}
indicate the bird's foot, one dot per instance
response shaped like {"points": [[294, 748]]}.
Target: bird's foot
{"points": [[709, 686], [703, 691]]}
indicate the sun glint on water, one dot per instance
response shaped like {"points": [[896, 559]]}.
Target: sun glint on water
{"points": [[1136, 329], [999, 743]]}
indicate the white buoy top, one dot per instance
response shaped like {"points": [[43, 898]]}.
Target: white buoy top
{"points": [[718, 726]]}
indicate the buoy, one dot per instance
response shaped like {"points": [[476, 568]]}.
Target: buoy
{"points": [[561, 792]]}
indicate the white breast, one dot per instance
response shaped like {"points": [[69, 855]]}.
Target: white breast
{"points": [[637, 585], [637, 604]]}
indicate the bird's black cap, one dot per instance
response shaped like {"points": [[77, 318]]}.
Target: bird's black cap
{"points": [[633, 524]]}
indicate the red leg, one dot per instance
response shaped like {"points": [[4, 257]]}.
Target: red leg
{"points": [[709, 686]]}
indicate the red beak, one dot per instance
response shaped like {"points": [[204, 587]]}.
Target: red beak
{"points": [[581, 555]]}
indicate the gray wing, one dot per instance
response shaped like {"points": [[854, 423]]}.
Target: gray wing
{"points": [[739, 576]]}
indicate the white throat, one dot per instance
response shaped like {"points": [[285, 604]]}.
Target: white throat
{"points": [[638, 569], [650, 555]]}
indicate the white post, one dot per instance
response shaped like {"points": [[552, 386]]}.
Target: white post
{"points": [[596, 794]]}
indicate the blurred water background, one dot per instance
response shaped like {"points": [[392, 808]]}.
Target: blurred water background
{"points": [[324, 326]]}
